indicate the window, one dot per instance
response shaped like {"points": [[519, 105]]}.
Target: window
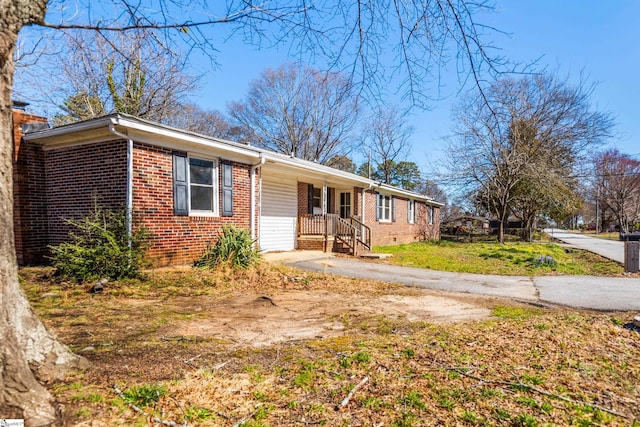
{"points": [[195, 183], [345, 205], [411, 211], [430, 214], [317, 198], [201, 186], [383, 208]]}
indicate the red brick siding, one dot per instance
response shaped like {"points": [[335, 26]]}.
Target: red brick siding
{"points": [[383, 233], [179, 239], [400, 231], [80, 176], [357, 202], [29, 198], [303, 198], [310, 244]]}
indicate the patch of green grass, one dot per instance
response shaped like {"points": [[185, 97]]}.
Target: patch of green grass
{"points": [[144, 395], [372, 402], [407, 419], [532, 380], [414, 400], [409, 353], [513, 258], [306, 376], [193, 413], [524, 420], [470, 417], [361, 357], [83, 413], [515, 313], [90, 397], [501, 414]]}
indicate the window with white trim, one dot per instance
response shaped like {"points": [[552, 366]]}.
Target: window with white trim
{"points": [[317, 199], [411, 211], [383, 208], [196, 186], [203, 186], [430, 211], [345, 205]]}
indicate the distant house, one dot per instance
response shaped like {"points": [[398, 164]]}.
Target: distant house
{"points": [[184, 186], [470, 222], [513, 223]]}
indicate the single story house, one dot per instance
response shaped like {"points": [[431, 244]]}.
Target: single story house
{"points": [[470, 222], [184, 186]]}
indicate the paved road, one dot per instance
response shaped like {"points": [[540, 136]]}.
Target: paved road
{"points": [[607, 248], [598, 293]]}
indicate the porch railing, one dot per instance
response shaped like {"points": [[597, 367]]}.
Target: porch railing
{"points": [[352, 232], [317, 224]]}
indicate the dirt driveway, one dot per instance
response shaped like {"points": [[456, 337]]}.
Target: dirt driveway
{"points": [[261, 320]]}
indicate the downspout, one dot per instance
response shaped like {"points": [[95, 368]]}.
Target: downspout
{"points": [[252, 209], [129, 195]]}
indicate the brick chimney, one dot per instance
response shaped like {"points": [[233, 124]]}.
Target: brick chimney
{"points": [[29, 193]]}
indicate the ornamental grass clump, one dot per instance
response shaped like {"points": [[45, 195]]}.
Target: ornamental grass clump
{"points": [[100, 246], [234, 246]]}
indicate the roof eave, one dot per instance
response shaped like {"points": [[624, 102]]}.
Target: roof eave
{"points": [[57, 136]]}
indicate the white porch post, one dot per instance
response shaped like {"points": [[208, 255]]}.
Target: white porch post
{"points": [[324, 198]]}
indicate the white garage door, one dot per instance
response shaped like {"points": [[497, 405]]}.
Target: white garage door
{"points": [[279, 214]]}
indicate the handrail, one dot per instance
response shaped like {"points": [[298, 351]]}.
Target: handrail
{"points": [[363, 232], [351, 232], [346, 233]]}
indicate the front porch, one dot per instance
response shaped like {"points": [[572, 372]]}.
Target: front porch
{"points": [[330, 232]]}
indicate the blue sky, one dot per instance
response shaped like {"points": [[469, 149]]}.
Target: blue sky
{"points": [[596, 37]]}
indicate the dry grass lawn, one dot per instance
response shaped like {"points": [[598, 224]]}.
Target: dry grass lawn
{"points": [[225, 349]]}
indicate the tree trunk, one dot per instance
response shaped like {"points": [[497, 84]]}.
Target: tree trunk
{"points": [[501, 231], [28, 350]]}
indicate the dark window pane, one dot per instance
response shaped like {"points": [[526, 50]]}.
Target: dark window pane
{"points": [[201, 198], [201, 172]]}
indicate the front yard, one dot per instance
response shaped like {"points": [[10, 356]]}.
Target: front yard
{"points": [[514, 258], [275, 346]]}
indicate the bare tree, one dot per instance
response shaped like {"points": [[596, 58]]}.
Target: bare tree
{"points": [[522, 141], [207, 122], [385, 142], [125, 73], [353, 37], [299, 111], [618, 187]]}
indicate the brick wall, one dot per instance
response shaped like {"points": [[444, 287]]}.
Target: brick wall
{"points": [[180, 239], [81, 176], [29, 200], [303, 198], [383, 233], [357, 202], [400, 231]]}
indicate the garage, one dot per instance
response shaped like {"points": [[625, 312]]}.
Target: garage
{"points": [[278, 216]]}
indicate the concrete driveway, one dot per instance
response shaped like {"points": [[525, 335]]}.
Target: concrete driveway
{"points": [[611, 249], [597, 293]]}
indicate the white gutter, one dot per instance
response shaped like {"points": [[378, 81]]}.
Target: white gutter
{"points": [[252, 210], [325, 171], [129, 195]]}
